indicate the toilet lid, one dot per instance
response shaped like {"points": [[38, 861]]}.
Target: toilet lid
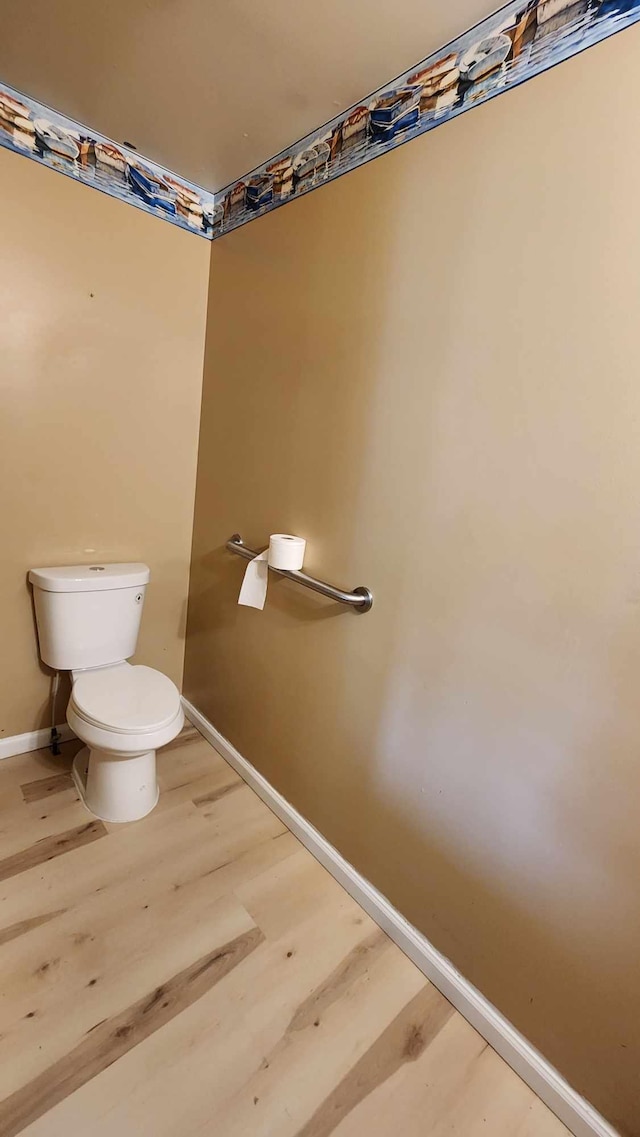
{"points": [[126, 699]]}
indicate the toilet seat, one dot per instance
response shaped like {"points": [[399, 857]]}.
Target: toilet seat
{"points": [[123, 714], [125, 699]]}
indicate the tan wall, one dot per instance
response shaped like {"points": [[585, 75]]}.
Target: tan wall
{"points": [[101, 346], [430, 369]]}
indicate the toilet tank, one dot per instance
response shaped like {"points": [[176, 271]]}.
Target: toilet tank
{"points": [[88, 615]]}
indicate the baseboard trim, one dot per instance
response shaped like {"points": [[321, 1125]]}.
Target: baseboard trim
{"points": [[573, 1110], [32, 740]]}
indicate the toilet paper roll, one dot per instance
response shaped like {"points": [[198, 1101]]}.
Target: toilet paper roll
{"points": [[285, 552]]}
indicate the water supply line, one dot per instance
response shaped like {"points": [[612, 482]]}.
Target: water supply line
{"points": [[56, 737]]}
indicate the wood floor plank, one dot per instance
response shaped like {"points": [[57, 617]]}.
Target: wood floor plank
{"points": [[21, 927], [188, 735], [110, 1040], [356, 963], [44, 787], [221, 791], [32, 821], [37, 764], [412, 1101], [489, 1092], [540, 1122], [292, 893], [404, 1040], [239, 819], [49, 847], [185, 760]]}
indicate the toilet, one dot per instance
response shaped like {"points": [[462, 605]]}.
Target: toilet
{"points": [[88, 618]]}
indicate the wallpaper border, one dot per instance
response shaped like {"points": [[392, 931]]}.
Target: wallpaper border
{"points": [[36, 131]]}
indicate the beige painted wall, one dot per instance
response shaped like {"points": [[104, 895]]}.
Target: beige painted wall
{"points": [[101, 346], [430, 369]]}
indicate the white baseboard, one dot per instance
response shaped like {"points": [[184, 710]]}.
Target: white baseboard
{"points": [[572, 1109], [32, 740]]}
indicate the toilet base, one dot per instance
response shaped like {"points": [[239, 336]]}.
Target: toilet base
{"points": [[116, 787]]}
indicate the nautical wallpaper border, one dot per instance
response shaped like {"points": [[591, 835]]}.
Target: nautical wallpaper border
{"points": [[30, 128], [520, 40]]}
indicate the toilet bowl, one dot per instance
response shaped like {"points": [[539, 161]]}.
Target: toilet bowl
{"points": [[123, 713]]}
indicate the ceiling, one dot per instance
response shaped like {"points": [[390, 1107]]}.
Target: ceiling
{"points": [[212, 88]]}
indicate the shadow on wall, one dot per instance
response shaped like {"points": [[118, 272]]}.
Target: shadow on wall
{"points": [[471, 744]]}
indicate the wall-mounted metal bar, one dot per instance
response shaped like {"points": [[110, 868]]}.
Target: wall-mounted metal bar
{"points": [[361, 599]]}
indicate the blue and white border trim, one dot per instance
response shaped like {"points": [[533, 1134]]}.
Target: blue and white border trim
{"points": [[29, 128], [522, 39]]}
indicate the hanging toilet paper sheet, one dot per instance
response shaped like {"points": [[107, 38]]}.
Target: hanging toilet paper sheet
{"points": [[284, 552]]}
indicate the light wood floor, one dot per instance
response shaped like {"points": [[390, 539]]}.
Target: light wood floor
{"points": [[198, 973]]}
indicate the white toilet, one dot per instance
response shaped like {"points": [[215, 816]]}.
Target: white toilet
{"points": [[88, 620]]}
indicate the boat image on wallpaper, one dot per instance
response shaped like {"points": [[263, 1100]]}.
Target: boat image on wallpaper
{"points": [[29, 128], [516, 43]]}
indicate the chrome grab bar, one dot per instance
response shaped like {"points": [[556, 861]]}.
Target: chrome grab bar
{"points": [[361, 599]]}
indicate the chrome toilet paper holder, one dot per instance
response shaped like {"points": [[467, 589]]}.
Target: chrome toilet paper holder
{"points": [[360, 599]]}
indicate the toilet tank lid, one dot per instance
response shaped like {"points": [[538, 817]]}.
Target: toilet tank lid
{"points": [[90, 578]]}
